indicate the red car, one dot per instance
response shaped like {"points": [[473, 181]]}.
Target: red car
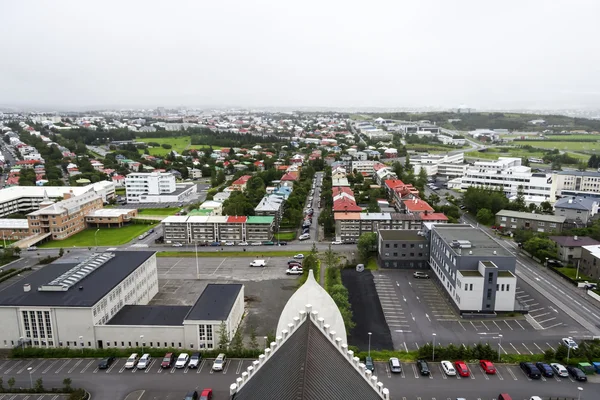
{"points": [[487, 366], [206, 394], [167, 361], [462, 369]]}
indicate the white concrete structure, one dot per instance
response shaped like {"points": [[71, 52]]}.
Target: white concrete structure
{"points": [[156, 187], [574, 183], [448, 165], [445, 139], [363, 166]]}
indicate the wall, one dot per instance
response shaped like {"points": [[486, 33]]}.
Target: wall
{"points": [[69, 323], [470, 300], [154, 336], [505, 299], [10, 329]]}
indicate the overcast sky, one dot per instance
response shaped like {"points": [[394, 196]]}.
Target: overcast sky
{"points": [[326, 53]]}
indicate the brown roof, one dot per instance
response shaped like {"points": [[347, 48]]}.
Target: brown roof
{"points": [[569, 241]]}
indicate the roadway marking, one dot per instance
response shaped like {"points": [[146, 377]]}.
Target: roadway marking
{"points": [[549, 345], [511, 373], [172, 370], [539, 348], [86, 367], [405, 347], [75, 366], [497, 326], [122, 368], [540, 315], [49, 367], [499, 375], [62, 366], [486, 327], [26, 365], [462, 325], [519, 324], [226, 367], [513, 346], [484, 374], [527, 348], [473, 325], [417, 344], [239, 367], [13, 367], [149, 367], [38, 366], [553, 326], [414, 367], [215, 271]]}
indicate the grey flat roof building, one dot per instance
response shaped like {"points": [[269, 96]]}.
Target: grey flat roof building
{"points": [[215, 303], [402, 235], [150, 315], [481, 244]]}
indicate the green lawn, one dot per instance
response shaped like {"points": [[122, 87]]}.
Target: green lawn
{"points": [[573, 137], [372, 264], [120, 191], [285, 236], [179, 144], [572, 273], [564, 146], [215, 253], [158, 211], [106, 237], [493, 154]]}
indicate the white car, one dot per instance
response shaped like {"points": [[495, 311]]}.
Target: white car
{"points": [[448, 368], [570, 343], [256, 244], [294, 271], [229, 244], [182, 360], [144, 361], [243, 244], [304, 236], [219, 362], [299, 256], [559, 370], [131, 361], [177, 244], [337, 242]]}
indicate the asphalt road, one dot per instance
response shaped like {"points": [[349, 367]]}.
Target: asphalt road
{"points": [[116, 382]]}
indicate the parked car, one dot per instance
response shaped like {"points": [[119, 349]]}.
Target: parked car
{"points": [[299, 256], [32, 248], [144, 361], [304, 236], [530, 370], [256, 244], [545, 369], [243, 244], [268, 243], [295, 270], [487, 367], [420, 275], [207, 394], [395, 366], [177, 244], [448, 368], [423, 367], [195, 360], [229, 244], [215, 244], [105, 363], [219, 362], [167, 361], [462, 368], [559, 370], [294, 262], [182, 360], [570, 343], [337, 242], [577, 374], [282, 243], [131, 361], [193, 395], [369, 364]]}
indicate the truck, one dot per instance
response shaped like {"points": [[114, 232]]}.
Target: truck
{"points": [[258, 263]]}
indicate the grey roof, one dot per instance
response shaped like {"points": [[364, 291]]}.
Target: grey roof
{"points": [[94, 286], [576, 203], [402, 234], [150, 315], [308, 367], [528, 215], [569, 241], [580, 173], [215, 302], [481, 243]]}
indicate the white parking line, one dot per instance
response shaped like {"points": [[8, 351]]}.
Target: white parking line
{"points": [[62, 366], [473, 325], [462, 325], [539, 315], [37, 366], [112, 366], [547, 320], [527, 348], [513, 346], [49, 366], [201, 366], [511, 373], [553, 326], [549, 345], [536, 310], [24, 367], [150, 366], [507, 324], [13, 367], [519, 324], [414, 367], [86, 367], [486, 327], [75, 366]]}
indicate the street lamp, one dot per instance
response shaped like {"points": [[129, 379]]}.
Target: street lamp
{"points": [[142, 340], [579, 390], [81, 341], [4, 238], [499, 345], [569, 349], [22, 343], [197, 267], [546, 262], [96, 238], [433, 356], [370, 333], [30, 369]]}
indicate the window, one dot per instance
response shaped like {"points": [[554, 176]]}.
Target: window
{"points": [[489, 294], [507, 287], [387, 245], [502, 287], [490, 277], [395, 254], [395, 245]]}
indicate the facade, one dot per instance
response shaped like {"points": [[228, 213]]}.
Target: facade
{"points": [[65, 218], [363, 166], [511, 220], [110, 217], [156, 187], [24, 199], [590, 261], [570, 247], [477, 274], [13, 229], [507, 174], [209, 229], [577, 182], [402, 249], [576, 208], [448, 165]]}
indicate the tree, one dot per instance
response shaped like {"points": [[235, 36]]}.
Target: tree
{"points": [[330, 257], [540, 247], [61, 252], [546, 208], [367, 243], [223, 336], [67, 384], [421, 179], [39, 385], [433, 200], [253, 340], [237, 343], [485, 216], [519, 203], [166, 146], [77, 394], [11, 383]]}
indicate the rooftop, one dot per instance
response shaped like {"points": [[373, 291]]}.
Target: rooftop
{"points": [[18, 192], [13, 223], [531, 216], [470, 273], [94, 286], [574, 241], [580, 173], [109, 212], [403, 234], [505, 274], [260, 219], [215, 302], [150, 315], [576, 203], [481, 243], [417, 205]]}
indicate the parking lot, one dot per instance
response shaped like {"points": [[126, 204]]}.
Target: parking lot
{"points": [[10, 396], [414, 309], [174, 383]]}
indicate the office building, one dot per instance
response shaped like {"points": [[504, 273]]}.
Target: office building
{"points": [[512, 220], [402, 249], [477, 273], [205, 230], [156, 187], [443, 165], [575, 183], [590, 262], [110, 217]]}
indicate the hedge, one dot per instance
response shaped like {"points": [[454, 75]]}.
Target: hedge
{"points": [[339, 294], [310, 262]]}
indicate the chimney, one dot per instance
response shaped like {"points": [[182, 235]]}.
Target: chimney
{"points": [[494, 252], [26, 287], [575, 238]]}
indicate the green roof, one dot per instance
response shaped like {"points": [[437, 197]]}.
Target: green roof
{"points": [[260, 220], [505, 274], [470, 273], [201, 212]]}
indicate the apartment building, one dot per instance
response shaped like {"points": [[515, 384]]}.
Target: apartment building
{"points": [[65, 218], [402, 249], [570, 247], [156, 187], [575, 183], [577, 208], [507, 174], [203, 229], [590, 261], [447, 165], [477, 273], [271, 206], [13, 229], [511, 220], [361, 167], [110, 217]]}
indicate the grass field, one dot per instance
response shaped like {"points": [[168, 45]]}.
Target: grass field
{"points": [[516, 152], [574, 137], [565, 146], [572, 273], [255, 254], [285, 236], [179, 144], [106, 237], [158, 211]]}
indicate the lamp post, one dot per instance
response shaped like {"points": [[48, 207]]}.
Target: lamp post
{"points": [[569, 349], [81, 341], [370, 333], [579, 390], [30, 370], [546, 262], [197, 267], [22, 343], [433, 355], [499, 345], [142, 340], [96, 237], [577, 273]]}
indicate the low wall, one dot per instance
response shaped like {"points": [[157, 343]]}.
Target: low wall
{"points": [[593, 295]]}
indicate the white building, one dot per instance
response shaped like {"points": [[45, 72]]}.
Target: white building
{"points": [[363, 166], [445, 139], [508, 175], [447, 165], [573, 183], [156, 187], [102, 302]]}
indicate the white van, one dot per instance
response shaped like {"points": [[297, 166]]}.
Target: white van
{"points": [[258, 263]]}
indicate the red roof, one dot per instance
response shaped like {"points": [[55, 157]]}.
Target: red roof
{"points": [[417, 205], [434, 217], [242, 180], [378, 166], [393, 183], [342, 189], [346, 204], [28, 162], [118, 178], [237, 219], [290, 176]]}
